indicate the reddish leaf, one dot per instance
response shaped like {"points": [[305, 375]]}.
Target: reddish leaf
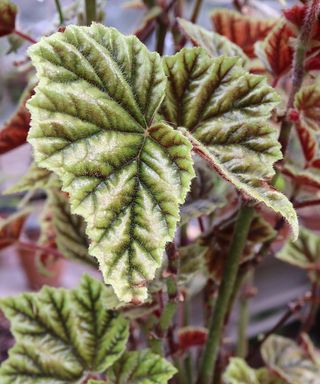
{"points": [[8, 12], [308, 142], [305, 179], [296, 16], [15, 131], [11, 227], [244, 31], [189, 337], [315, 163], [313, 64], [307, 102], [276, 52]]}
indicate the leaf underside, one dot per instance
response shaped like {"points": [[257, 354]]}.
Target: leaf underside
{"points": [[60, 335], [92, 124], [223, 110]]}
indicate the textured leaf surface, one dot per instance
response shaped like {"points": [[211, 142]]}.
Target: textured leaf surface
{"points": [[71, 237], [276, 51], [213, 43], [292, 363], [60, 334], [307, 102], [11, 228], [142, 367], [224, 110], [92, 124], [8, 12], [242, 30]]}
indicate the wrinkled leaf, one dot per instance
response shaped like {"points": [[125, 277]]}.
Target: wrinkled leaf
{"points": [[92, 124], [62, 334], [141, 367], [244, 31], [276, 51], [307, 102], [11, 228], [224, 111], [213, 43], [290, 362], [8, 12]]}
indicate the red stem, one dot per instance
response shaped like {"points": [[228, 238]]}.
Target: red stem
{"points": [[25, 36]]}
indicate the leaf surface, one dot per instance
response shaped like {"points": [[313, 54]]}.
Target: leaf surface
{"points": [[61, 335], [8, 12], [11, 228], [307, 102], [223, 110], [308, 142], [93, 125]]}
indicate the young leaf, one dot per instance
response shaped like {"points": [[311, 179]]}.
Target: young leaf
{"points": [[11, 228], [93, 124], [307, 102], [141, 367], [308, 142], [290, 362], [62, 335], [223, 111], [296, 15], [276, 51], [213, 43], [8, 12], [244, 31]]}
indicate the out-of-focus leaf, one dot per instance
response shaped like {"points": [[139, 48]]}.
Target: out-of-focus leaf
{"points": [[11, 227], [307, 179], [8, 12], [289, 361], [214, 43], [276, 51], [134, 4], [303, 253], [141, 367], [223, 110], [296, 15], [197, 209], [61, 335], [15, 130], [308, 142], [244, 31], [149, 18], [192, 261], [307, 102], [15, 42], [189, 337], [93, 125]]}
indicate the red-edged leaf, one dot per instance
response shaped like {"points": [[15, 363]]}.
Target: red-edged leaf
{"points": [[147, 22], [308, 142], [313, 63], [306, 179], [276, 52], [8, 12], [296, 16], [307, 102], [189, 337], [244, 31], [15, 131], [11, 227], [315, 163]]}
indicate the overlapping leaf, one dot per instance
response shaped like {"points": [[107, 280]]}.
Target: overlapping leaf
{"points": [[244, 31], [223, 111], [11, 228], [289, 361], [61, 335], [296, 15], [307, 102], [92, 124], [141, 367], [276, 51], [8, 12], [307, 179], [213, 43], [308, 142]]}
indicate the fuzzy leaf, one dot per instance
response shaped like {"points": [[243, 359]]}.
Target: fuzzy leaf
{"points": [[290, 362], [224, 111], [244, 31], [8, 12], [70, 233], [11, 228], [61, 335], [307, 102], [296, 15], [92, 124], [141, 367], [213, 43], [15, 130], [276, 42]]}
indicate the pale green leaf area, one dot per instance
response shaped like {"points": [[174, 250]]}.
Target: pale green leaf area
{"points": [[92, 124], [61, 335], [141, 367], [223, 110]]}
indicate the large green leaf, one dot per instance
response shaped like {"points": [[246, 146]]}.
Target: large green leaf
{"points": [[61, 335], [141, 367], [223, 110], [93, 124]]}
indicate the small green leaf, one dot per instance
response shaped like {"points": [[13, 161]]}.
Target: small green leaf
{"points": [[93, 125], [213, 43], [61, 335], [141, 367], [223, 110]]}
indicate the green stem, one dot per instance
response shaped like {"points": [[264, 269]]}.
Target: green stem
{"points": [[91, 11], [196, 10], [59, 9], [225, 291], [161, 35]]}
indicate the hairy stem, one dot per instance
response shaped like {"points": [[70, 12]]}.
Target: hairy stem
{"points": [[196, 10], [91, 11], [25, 36], [59, 9], [225, 291]]}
